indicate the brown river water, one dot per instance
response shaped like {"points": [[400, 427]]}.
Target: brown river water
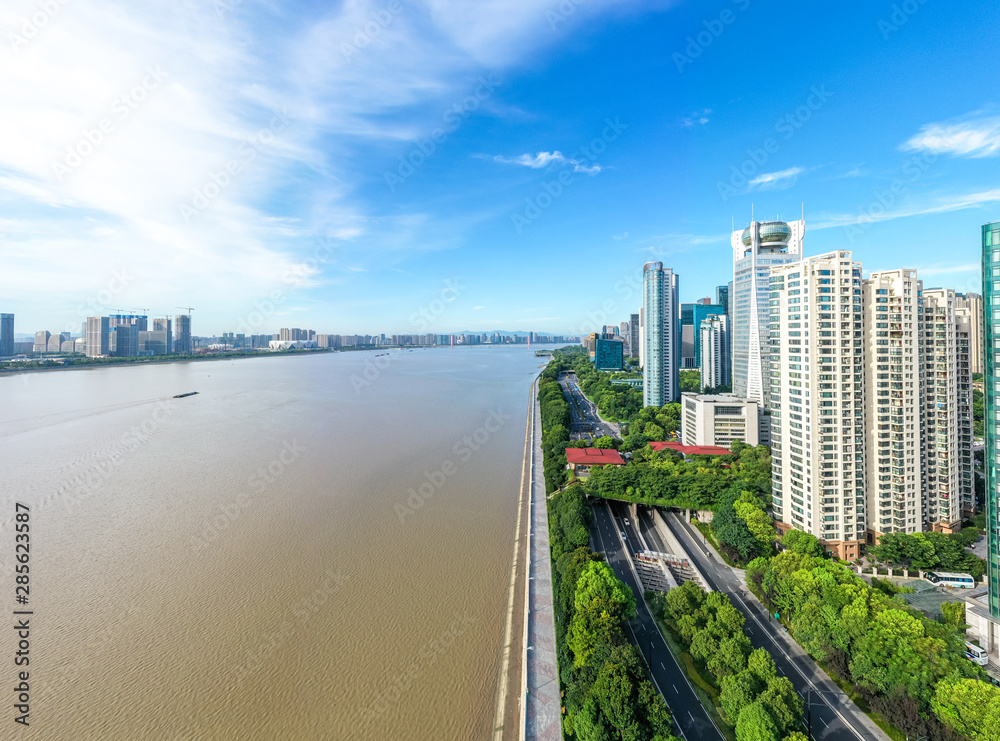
{"points": [[312, 547]]}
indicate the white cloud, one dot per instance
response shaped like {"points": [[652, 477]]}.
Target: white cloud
{"points": [[775, 179], [698, 117], [544, 159], [943, 205], [971, 136], [620, 237]]}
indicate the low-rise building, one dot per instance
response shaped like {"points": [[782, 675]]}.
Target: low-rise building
{"points": [[719, 419], [580, 460]]}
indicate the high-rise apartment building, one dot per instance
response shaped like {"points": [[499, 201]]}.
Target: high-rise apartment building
{"points": [[642, 338], [816, 357], [633, 335], [182, 333], [699, 312], [892, 319], [714, 342], [974, 303], [6, 335], [947, 410], [661, 377], [757, 249], [98, 329]]}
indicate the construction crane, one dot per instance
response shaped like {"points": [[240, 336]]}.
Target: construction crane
{"points": [[188, 308]]}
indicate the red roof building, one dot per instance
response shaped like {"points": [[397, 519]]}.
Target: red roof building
{"points": [[594, 457], [686, 450]]}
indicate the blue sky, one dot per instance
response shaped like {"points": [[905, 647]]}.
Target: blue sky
{"points": [[436, 165]]}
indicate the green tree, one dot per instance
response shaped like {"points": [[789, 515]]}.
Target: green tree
{"points": [[604, 442], [602, 605], [953, 614], [801, 542], [782, 703], [755, 724], [796, 736], [970, 707], [738, 691]]}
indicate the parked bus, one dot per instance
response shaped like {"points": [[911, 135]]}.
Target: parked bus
{"points": [[948, 579], [976, 654]]}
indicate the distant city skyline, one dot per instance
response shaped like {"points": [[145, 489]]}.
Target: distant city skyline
{"points": [[513, 166]]}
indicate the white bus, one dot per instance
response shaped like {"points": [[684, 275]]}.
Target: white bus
{"points": [[949, 579], [975, 654]]}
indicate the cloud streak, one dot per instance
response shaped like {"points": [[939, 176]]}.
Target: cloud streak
{"points": [[544, 159], [972, 136]]}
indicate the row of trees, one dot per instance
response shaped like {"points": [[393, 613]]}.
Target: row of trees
{"points": [[608, 692], [930, 551], [742, 526], [897, 658], [759, 704], [556, 423]]}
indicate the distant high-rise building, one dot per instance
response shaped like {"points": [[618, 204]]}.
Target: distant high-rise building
{"points": [[164, 324], [6, 335], [687, 336], [974, 303], [661, 380], [642, 338], [722, 297], [41, 341], [182, 333], [98, 331], [633, 335], [699, 314], [609, 354], [714, 343], [56, 341], [757, 249]]}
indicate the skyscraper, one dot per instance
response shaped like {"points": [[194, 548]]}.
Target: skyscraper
{"points": [[41, 341], [991, 404], [817, 400], [661, 378], [714, 343], [182, 333], [757, 249], [6, 335], [699, 312]]}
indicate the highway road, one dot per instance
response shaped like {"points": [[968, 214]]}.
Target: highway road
{"points": [[689, 715], [834, 716], [587, 423]]}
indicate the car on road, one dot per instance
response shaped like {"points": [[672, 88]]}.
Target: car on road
{"points": [[624, 536]]}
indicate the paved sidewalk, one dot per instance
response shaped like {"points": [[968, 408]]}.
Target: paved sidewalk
{"points": [[543, 709]]}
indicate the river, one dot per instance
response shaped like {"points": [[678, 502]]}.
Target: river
{"points": [[312, 547]]}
